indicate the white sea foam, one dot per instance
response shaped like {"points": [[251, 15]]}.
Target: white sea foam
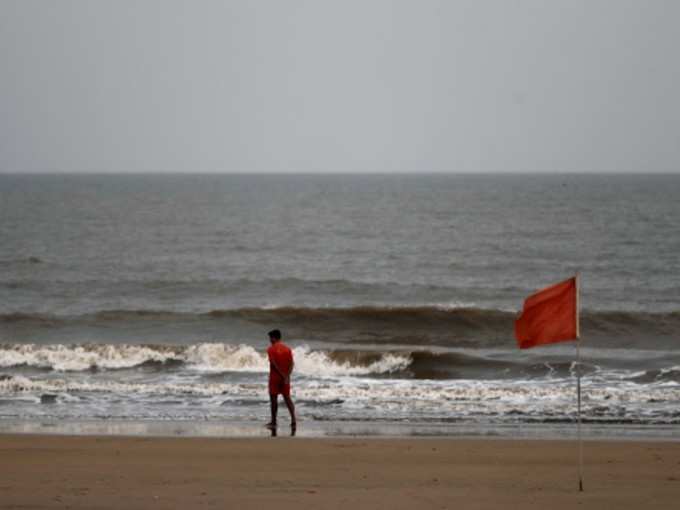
{"points": [[21, 384], [328, 386], [317, 363], [80, 357], [205, 357], [378, 398], [217, 357]]}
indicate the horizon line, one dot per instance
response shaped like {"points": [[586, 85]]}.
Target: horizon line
{"points": [[336, 173]]}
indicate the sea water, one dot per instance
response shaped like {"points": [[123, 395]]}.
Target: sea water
{"points": [[134, 298]]}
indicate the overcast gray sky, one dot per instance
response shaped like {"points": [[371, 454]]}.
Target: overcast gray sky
{"points": [[321, 86]]}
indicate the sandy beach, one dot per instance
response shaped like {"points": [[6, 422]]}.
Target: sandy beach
{"points": [[142, 472]]}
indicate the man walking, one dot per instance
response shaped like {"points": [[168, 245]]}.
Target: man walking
{"points": [[280, 368]]}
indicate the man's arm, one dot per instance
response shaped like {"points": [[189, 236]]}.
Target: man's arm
{"points": [[290, 371], [286, 377]]}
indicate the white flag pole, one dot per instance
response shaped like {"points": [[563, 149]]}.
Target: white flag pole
{"points": [[578, 382]]}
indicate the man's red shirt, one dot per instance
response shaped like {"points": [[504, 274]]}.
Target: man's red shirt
{"points": [[281, 356]]}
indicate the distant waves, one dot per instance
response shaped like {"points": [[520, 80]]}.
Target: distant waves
{"points": [[398, 325]]}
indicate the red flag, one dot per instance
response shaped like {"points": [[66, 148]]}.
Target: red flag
{"points": [[550, 315]]}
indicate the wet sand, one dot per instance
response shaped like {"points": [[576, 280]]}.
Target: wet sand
{"points": [[284, 473]]}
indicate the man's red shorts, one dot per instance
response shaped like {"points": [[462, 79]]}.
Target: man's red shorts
{"points": [[277, 386]]}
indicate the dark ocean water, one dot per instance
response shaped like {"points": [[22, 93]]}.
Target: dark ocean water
{"points": [[149, 297]]}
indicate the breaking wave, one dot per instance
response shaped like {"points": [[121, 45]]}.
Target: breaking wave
{"points": [[217, 358], [204, 357]]}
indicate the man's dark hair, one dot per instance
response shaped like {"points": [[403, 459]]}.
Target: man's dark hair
{"points": [[275, 333]]}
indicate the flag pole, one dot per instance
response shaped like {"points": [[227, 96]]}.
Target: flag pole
{"points": [[578, 381]]}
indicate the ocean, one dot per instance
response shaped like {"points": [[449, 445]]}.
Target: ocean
{"points": [[147, 299]]}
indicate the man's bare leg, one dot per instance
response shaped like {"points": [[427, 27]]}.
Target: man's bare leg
{"points": [[291, 409], [274, 406]]}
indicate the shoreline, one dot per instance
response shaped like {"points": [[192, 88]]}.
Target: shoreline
{"points": [[40, 471], [341, 429]]}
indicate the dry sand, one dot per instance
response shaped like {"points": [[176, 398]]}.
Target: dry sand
{"points": [[351, 474]]}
